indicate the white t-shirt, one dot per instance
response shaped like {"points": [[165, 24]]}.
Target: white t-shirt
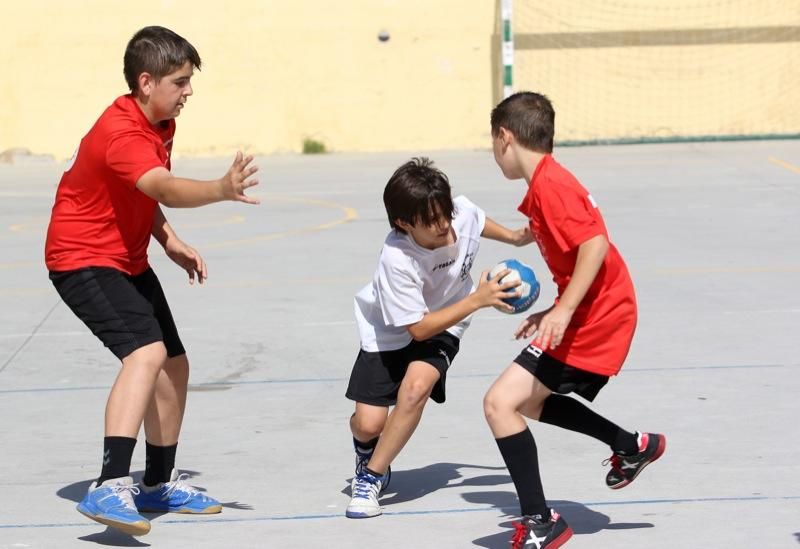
{"points": [[411, 281]]}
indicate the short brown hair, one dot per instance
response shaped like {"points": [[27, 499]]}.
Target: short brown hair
{"points": [[530, 117], [158, 51]]}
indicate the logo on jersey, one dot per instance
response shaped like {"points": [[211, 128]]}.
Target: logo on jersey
{"points": [[469, 259], [443, 265]]}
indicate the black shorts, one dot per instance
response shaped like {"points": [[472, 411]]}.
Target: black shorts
{"points": [[559, 377], [377, 376], [125, 312]]}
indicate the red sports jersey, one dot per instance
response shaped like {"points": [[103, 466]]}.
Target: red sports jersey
{"points": [[100, 218], [562, 215]]}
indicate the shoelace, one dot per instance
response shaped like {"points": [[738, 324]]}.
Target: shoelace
{"points": [[365, 488], [362, 460], [179, 485], [613, 460], [123, 493], [520, 533]]}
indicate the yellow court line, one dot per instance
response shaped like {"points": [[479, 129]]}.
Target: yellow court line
{"points": [[235, 220], [350, 214], [783, 164]]}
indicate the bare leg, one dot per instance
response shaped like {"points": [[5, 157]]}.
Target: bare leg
{"points": [[162, 422], [133, 390], [368, 421], [514, 393], [404, 418]]}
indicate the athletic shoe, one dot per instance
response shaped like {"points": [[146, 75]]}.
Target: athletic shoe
{"points": [[626, 468], [364, 501], [362, 459], [534, 533], [111, 504], [175, 496]]}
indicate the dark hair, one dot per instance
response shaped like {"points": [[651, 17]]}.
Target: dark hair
{"points": [[158, 51], [416, 193], [530, 117]]}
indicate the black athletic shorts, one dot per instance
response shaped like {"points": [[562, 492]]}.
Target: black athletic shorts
{"points": [[377, 376], [125, 312], [559, 377]]}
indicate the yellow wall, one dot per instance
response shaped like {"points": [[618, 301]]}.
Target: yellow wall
{"points": [[274, 72], [278, 71]]}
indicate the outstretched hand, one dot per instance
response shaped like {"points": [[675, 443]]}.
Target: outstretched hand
{"points": [[492, 292], [548, 325], [522, 236], [187, 258], [237, 179]]}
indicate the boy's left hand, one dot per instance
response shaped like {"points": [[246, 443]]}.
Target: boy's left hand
{"points": [[522, 236], [552, 327], [187, 259]]}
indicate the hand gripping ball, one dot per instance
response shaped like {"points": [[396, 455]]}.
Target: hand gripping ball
{"points": [[529, 287]]}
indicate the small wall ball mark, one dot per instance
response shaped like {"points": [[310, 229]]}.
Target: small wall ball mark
{"points": [[384, 36]]}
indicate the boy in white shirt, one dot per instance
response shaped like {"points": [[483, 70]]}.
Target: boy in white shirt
{"points": [[412, 316]]}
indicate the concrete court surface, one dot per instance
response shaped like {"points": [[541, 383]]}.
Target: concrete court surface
{"points": [[709, 231]]}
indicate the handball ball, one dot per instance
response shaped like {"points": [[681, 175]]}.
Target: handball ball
{"points": [[529, 289]]}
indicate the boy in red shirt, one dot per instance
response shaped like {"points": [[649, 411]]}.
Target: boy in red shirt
{"points": [[581, 340], [106, 210]]}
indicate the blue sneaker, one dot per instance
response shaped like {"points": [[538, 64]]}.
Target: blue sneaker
{"points": [[175, 496], [364, 502], [111, 504]]}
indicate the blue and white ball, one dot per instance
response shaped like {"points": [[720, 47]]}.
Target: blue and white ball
{"points": [[529, 288]]}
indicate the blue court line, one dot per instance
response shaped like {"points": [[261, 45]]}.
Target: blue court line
{"points": [[339, 515], [225, 384]]}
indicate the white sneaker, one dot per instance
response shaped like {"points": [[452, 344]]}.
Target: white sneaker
{"points": [[364, 502]]}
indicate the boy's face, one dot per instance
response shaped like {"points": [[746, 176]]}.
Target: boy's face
{"points": [[167, 96], [433, 236]]}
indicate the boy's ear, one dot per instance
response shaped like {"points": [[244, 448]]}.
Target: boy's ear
{"points": [[402, 224], [506, 137], [146, 83]]}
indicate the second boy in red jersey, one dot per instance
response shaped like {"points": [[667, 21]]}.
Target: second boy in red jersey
{"points": [[581, 340]]}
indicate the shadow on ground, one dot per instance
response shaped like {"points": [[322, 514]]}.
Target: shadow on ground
{"points": [[113, 538], [581, 519], [414, 484]]}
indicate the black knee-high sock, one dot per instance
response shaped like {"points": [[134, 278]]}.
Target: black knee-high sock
{"points": [[365, 447], [160, 462], [567, 413], [117, 453], [522, 460]]}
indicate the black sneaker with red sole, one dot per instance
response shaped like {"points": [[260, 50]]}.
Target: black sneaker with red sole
{"points": [[624, 469], [532, 533]]}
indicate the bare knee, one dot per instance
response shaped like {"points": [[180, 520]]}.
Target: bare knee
{"points": [[366, 427], [414, 394], [152, 356], [495, 406], [490, 406]]}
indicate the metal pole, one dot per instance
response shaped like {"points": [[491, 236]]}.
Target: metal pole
{"points": [[508, 48]]}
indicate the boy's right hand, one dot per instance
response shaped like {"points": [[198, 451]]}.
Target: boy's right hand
{"points": [[236, 180], [491, 292]]}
